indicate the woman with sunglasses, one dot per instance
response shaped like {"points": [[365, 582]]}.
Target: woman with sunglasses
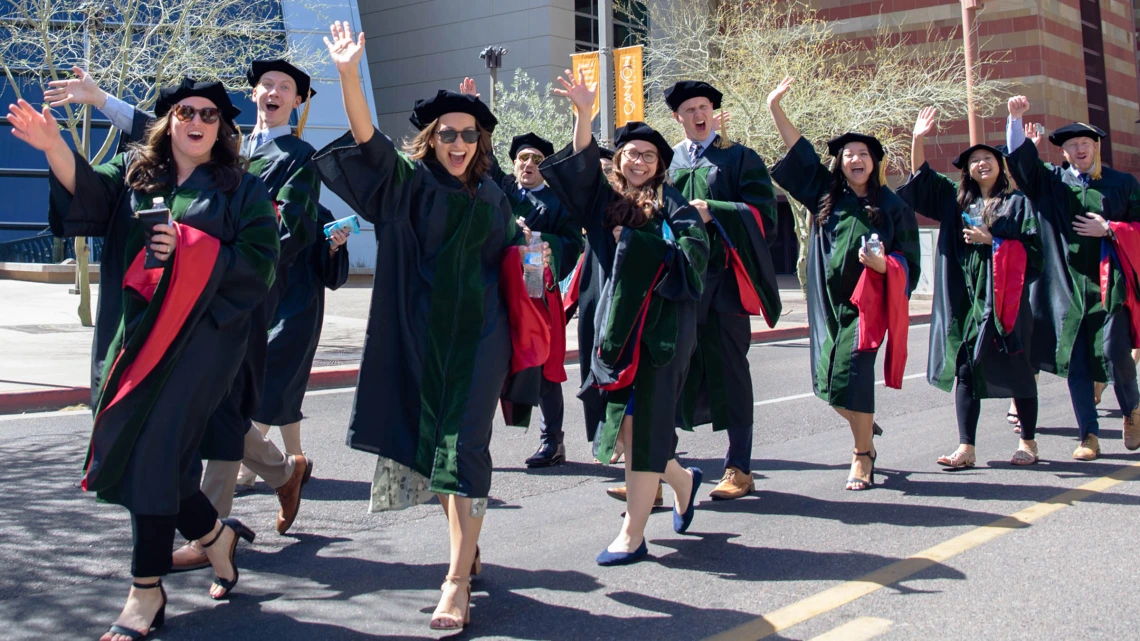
{"points": [[989, 250], [170, 323], [639, 283], [439, 341], [850, 204]]}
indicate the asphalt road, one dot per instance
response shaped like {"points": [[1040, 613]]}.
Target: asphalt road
{"points": [[1066, 569]]}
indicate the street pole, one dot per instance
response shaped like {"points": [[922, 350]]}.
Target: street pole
{"points": [[970, 43], [606, 70], [493, 59]]}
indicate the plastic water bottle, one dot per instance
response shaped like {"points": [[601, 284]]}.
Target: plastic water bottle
{"points": [[875, 246], [533, 266]]}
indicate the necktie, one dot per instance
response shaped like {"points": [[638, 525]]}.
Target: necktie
{"points": [[1084, 179], [523, 192], [694, 152]]}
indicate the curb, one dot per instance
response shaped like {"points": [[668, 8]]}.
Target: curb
{"points": [[320, 378]]}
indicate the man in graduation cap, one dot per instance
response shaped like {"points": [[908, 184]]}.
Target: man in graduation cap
{"points": [[1086, 315], [729, 185], [281, 160], [537, 209]]}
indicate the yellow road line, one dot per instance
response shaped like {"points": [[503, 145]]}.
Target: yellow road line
{"points": [[861, 629], [845, 593]]}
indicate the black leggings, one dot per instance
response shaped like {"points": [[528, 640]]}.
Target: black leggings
{"points": [[969, 408], [154, 535]]}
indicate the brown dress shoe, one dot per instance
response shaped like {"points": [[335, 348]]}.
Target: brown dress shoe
{"points": [[1132, 430], [619, 494], [289, 495], [189, 557], [1088, 450], [733, 485]]}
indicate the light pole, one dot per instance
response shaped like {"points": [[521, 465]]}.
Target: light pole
{"points": [[493, 58], [970, 43], [606, 70]]}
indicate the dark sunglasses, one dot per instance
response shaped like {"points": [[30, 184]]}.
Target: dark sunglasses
{"points": [[208, 115], [448, 136], [536, 158]]}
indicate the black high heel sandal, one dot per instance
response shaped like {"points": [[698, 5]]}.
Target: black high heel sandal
{"points": [[155, 624], [240, 532], [865, 485]]}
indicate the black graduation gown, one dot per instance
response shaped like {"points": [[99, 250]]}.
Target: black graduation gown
{"points": [[438, 345], [963, 317], [143, 452], [734, 181], [841, 374], [1068, 292], [284, 165], [670, 328], [296, 329]]}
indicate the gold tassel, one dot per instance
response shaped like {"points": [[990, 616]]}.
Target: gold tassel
{"points": [[239, 137], [1095, 173], [304, 115], [724, 142], [883, 171]]}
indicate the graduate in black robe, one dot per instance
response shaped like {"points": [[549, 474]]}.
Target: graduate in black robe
{"points": [[296, 332], [1080, 304], [281, 159], [637, 292], [538, 209], [172, 323], [446, 306], [729, 185], [854, 296], [981, 327]]}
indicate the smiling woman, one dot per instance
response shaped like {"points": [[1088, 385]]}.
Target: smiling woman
{"points": [[160, 329]]}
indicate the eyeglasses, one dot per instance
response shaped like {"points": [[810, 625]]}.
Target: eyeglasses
{"points": [[208, 115], [448, 136], [537, 159], [647, 157]]}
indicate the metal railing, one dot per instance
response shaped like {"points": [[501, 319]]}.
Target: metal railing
{"points": [[42, 247]]}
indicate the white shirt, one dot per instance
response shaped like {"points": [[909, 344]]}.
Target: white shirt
{"points": [[704, 145]]}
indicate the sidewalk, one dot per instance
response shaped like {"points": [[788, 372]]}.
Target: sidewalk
{"points": [[45, 353]]}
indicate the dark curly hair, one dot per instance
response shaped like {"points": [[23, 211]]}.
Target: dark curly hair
{"points": [[152, 167], [632, 206]]}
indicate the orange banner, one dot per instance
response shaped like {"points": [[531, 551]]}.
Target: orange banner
{"points": [[587, 62], [628, 79]]}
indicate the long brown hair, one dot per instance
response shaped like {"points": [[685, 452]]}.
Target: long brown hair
{"points": [[152, 168], [969, 190], [419, 147], [632, 206], [838, 183]]}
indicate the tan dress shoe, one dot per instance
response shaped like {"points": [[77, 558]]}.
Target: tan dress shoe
{"points": [[619, 494], [733, 485], [1088, 450], [1132, 430], [189, 557], [289, 495]]}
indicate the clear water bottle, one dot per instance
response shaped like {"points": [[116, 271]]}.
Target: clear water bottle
{"points": [[533, 266], [875, 246]]}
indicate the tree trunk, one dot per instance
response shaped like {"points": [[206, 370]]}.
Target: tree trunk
{"points": [[803, 231], [83, 281]]}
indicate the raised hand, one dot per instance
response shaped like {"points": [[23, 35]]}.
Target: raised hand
{"points": [[38, 129], [1032, 133], [576, 90], [721, 118], [468, 87], [777, 94], [78, 90], [926, 122], [1018, 106], [343, 49]]}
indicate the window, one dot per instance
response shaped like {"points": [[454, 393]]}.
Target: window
{"points": [[630, 27]]}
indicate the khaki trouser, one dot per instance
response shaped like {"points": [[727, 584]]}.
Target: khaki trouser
{"points": [[261, 455]]}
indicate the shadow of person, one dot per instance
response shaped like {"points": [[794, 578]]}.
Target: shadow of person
{"points": [[716, 554]]}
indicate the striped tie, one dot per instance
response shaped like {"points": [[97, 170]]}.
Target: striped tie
{"points": [[695, 150]]}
